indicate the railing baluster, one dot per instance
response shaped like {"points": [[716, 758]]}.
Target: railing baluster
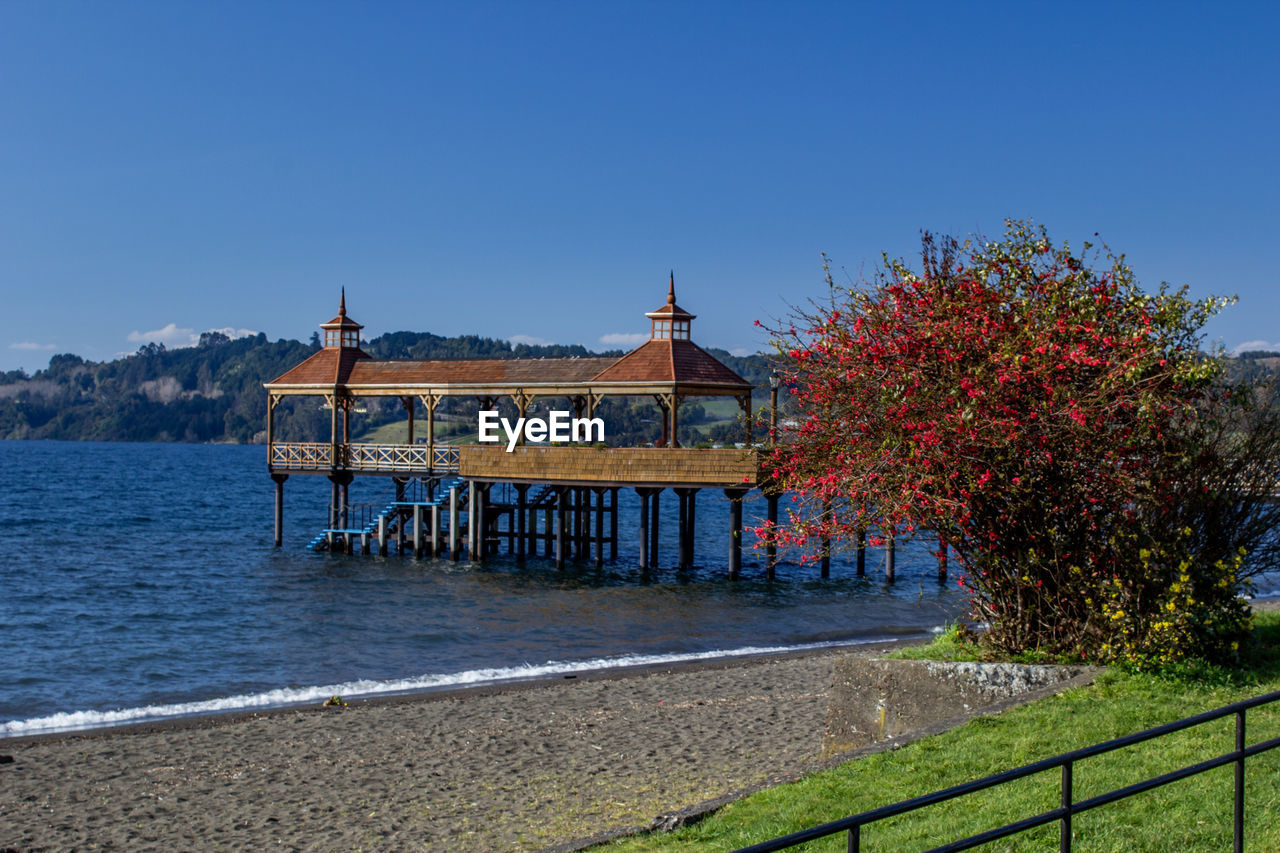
{"points": [[855, 838], [1064, 831], [1238, 822]]}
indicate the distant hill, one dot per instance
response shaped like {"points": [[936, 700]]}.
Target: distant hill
{"points": [[213, 392]]}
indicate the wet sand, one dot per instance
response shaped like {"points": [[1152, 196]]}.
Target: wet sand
{"points": [[522, 767]]}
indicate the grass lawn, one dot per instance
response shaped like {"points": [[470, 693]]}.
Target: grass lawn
{"points": [[1192, 815]]}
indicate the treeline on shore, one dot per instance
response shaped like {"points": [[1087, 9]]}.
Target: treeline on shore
{"points": [[212, 392]]}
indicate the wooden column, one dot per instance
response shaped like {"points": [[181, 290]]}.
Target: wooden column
{"points": [[735, 497], [454, 542], [522, 493], [332, 400], [599, 510], [475, 514], [562, 521], [613, 523], [692, 534], [436, 542], [429, 402], [417, 532], [654, 527], [279, 513], [675, 421], [273, 400], [682, 530], [644, 527]]}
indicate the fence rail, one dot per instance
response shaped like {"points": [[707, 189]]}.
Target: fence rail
{"points": [[1065, 763], [369, 458]]}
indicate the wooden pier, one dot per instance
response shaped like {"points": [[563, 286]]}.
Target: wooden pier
{"points": [[566, 502]]}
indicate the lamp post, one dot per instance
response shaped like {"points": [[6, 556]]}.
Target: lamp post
{"points": [[774, 381], [771, 497]]}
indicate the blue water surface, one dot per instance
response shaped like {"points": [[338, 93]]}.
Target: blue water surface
{"points": [[145, 574]]}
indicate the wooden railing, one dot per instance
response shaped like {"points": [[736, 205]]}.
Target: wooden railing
{"points": [[650, 466], [368, 458], [300, 456]]}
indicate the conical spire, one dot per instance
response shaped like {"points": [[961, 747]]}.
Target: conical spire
{"points": [[671, 290], [342, 331]]}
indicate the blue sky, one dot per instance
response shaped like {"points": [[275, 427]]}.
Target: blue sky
{"points": [[534, 170]]}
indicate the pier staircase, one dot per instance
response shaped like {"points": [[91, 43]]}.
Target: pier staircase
{"points": [[391, 518]]}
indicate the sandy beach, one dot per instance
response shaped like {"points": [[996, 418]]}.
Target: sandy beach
{"points": [[523, 767]]}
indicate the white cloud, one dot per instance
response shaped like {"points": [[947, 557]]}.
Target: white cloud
{"points": [[28, 345], [740, 352], [174, 338], [1255, 345], [170, 336], [233, 333], [529, 340], [623, 339]]}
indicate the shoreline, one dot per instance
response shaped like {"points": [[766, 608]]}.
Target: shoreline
{"points": [[673, 662], [532, 765]]}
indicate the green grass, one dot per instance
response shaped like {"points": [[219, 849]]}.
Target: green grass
{"points": [[1191, 815]]}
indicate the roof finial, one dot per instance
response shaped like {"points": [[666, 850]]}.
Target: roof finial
{"points": [[671, 291], [342, 305]]}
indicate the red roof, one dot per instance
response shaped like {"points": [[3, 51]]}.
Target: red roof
{"points": [[677, 362], [330, 366]]}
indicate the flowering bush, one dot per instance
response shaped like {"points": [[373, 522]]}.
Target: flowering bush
{"points": [[1059, 429]]}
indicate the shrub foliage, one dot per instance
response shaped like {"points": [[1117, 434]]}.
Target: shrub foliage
{"points": [[1057, 427]]}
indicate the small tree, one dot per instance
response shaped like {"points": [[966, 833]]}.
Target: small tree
{"points": [[1055, 425]]}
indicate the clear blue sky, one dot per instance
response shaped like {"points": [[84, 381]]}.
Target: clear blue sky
{"points": [[536, 168]]}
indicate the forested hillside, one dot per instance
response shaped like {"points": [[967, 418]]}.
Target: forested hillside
{"points": [[213, 392]]}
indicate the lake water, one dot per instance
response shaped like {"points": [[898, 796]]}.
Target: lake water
{"points": [[140, 581]]}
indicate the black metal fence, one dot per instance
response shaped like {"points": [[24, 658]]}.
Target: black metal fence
{"points": [[1069, 807]]}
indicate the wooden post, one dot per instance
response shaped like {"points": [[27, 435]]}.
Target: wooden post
{"points": [[548, 528], [613, 523], [454, 544], [562, 520], [644, 527], [682, 529], [436, 542], [471, 518], [599, 502], [691, 535], [735, 531], [675, 420], [382, 536], [579, 538], [279, 513], [333, 500], [417, 532], [654, 527], [522, 493], [475, 536]]}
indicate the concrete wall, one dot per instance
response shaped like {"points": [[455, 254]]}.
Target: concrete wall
{"points": [[873, 701]]}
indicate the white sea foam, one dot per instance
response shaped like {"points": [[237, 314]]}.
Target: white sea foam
{"points": [[289, 696]]}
